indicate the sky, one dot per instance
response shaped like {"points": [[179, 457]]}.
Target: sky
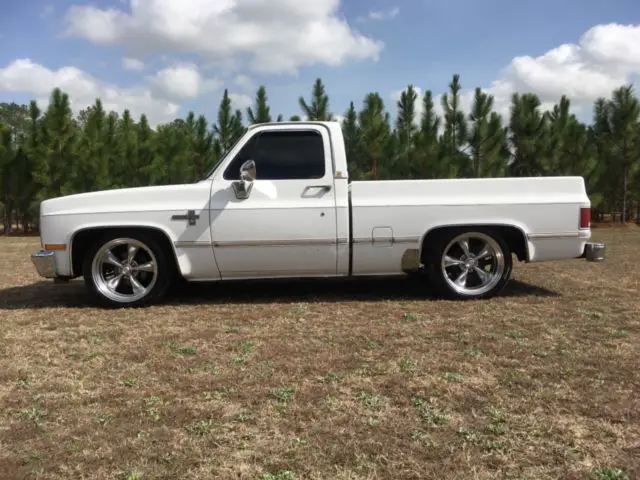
{"points": [[165, 58]]}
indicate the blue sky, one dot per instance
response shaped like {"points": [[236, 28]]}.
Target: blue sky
{"points": [[182, 60]]}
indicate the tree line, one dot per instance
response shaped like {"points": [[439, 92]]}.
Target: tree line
{"points": [[49, 153]]}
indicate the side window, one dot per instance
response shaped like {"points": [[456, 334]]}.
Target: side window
{"points": [[282, 155]]}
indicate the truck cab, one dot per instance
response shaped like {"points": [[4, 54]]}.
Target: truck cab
{"points": [[279, 203]]}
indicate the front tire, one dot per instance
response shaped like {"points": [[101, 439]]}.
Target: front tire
{"points": [[126, 270], [469, 264]]}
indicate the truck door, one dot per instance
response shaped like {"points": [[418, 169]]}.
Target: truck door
{"points": [[285, 223]]}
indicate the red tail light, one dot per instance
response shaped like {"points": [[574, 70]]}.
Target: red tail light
{"points": [[585, 218]]}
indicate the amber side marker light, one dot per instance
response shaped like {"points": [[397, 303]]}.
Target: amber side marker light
{"points": [[55, 247]]}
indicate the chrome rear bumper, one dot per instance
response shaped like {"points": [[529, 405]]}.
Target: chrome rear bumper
{"points": [[45, 263], [594, 252]]}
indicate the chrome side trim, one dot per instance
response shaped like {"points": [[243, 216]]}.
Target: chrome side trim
{"points": [[406, 239], [278, 243], [288, 243], [192, 244], [532, 236], [277, 273], [393, 240]]}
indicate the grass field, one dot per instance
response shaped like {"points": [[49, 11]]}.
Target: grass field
{"points": [[326, 379]]}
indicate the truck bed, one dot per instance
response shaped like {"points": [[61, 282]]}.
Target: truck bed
{"points": [[391, 217]]}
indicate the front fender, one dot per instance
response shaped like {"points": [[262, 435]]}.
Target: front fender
{"points": [[191, 245]]}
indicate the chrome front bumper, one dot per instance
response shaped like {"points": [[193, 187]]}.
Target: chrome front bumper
{"points": [[45, 263], [594, 252]]}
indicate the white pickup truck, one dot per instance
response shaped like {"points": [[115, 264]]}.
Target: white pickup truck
{"points": [[280, 204]]}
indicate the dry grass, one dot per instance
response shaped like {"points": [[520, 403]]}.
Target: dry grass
{"points": [[341, 380]]}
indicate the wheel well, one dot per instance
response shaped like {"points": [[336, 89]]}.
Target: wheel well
{"points": [[513, 236], [83, 240]]}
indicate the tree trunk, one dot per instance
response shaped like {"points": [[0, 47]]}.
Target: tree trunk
{"points": [[624, 197], [638, 212], [9, 216]]}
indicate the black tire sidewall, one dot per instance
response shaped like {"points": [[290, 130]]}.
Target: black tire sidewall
{"points": [[434, 256], [164, 272]]}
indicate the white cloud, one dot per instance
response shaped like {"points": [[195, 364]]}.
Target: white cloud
{"points": [[132, 64], [181, 82], [98, 26], [25, 76], [378, 15], [244, 82], [240, 101], [605, 58], [268, 36], [614, 45]]}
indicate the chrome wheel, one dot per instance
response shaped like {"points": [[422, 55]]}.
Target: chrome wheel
{"points": [[124, 270], [473, 263]]}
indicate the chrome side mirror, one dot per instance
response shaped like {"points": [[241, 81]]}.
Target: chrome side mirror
{"points": [[242, 187], [248, 171]]}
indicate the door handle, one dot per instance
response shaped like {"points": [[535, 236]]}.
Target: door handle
{"points": [[326, 188]]}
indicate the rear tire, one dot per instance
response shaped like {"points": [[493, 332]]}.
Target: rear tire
{"points": [[466, 264], [127, 270]]}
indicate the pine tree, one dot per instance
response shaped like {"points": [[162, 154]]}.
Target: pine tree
{"points": [[17, 193], [171, 163], [599, 137], [129, 159], [91, 170], [202, 148], [624, 116], [111, 146], [146, 152], [427, 163], [487, 138], [226, 127], [571, 150], [318, 110], [55, 153], [261, 113], [34, 152], [375, 134], [237, 127], [15, 118], [528, 136], [7, 157], [406, 129], [455, 130], [55, 172], [351, 134]]}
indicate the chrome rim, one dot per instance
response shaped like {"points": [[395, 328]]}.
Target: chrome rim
{"points": [[473, 263], [124, 270]]}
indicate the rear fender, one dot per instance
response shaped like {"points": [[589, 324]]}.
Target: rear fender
{"points": [[510, 224]]}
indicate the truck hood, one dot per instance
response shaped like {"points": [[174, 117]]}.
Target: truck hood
{"points": [[139, 199]]}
